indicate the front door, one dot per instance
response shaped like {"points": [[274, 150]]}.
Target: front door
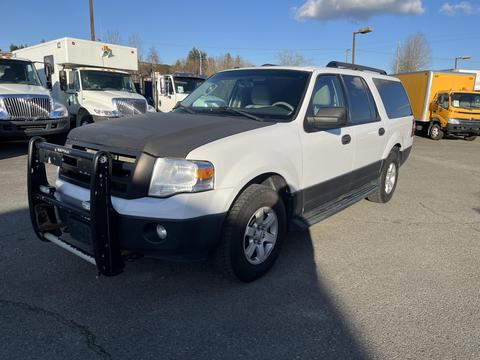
{"points": [[73, 93], [327, 154], [167, 99]]}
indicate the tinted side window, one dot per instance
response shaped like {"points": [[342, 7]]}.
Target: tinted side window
{"points": [[327, 93], [394, 98], [360, 101]]}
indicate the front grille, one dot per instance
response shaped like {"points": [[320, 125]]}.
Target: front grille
{"points": [[130, 106], [28, 107], [123, 167]]}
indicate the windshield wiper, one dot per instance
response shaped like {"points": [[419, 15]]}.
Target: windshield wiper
{"points": [[186, 108], [239, 112]]}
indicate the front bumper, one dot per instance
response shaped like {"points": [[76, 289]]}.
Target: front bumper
{"points": [[466, 127], [93, 229], [28, 128]]}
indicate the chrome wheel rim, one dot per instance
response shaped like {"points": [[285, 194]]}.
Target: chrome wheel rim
{"points": [[260, 235], [434, 131], [390, 177]]}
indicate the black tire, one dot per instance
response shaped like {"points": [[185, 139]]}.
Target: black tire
{"points": [[436, 132], [84, 118], [230, 257], [381, 195], [470, 138]]}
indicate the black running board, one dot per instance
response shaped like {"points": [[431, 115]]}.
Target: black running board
{"points": [[317, 215]]}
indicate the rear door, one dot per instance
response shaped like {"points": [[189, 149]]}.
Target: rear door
{"points": [[368, 130]]}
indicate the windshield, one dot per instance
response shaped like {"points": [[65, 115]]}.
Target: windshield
{"points": [[466, 100], [18, 72], [265, 93], [103, 80], [185, 85]]}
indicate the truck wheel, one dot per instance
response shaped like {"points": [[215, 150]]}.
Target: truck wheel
{"points": [[252, 235], [84, 118], [470, 138], [436, 132], [388, 179]]}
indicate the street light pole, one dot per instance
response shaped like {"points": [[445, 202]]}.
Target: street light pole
{"points": [[92, 22], [460, 58], [346, 55], [364, 30]]}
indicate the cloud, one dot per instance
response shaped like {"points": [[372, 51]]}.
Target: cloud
{"points": [[462, 7], [356, 9]]}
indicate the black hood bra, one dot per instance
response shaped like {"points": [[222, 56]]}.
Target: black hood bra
{"points": [[162, 134]]}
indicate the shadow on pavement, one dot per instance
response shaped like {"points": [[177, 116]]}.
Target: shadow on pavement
{"points": [[54, 306], [11, 149]]}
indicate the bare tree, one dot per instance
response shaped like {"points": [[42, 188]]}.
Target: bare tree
{"points": [[153, 57], [113, 37], [290, 58], [135, 41], [413, 55]]}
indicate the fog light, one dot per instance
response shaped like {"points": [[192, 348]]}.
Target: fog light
{"points": [[161, 232]]}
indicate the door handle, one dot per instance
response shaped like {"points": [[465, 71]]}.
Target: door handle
{"points": [[381, 131], [346, 139]]}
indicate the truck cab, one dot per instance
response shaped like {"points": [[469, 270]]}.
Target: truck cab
{"points": [[174, 88], [26, 107], [95, 94], [456, 113]]}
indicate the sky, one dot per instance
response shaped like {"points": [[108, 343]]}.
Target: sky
{"points": [[320, 30]]}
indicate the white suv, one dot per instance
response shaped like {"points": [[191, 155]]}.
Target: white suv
{"points": [[247, 156]]}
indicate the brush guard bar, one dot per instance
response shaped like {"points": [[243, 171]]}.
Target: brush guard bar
{"points": [[101, 217]]}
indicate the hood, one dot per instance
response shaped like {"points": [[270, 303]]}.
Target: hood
{"points": [[463, 113], [110, 94], [13, 89], [161, 134], [181, 97]]}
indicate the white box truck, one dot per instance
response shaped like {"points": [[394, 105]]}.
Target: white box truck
{"points": [[170, 89], [92, 79], [26, 107]]}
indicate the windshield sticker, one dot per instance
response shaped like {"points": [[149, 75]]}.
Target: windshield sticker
{"points": [[180, 89], [456, 103]]}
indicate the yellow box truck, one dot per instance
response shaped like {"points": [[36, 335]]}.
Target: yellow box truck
{"points": [[444, 103]]}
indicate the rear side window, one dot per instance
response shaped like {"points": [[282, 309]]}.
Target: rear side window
{"points": [[360, 101], [394, 98]]}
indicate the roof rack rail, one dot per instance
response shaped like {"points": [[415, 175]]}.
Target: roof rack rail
{"points": [[269, 65], [343, 65]]}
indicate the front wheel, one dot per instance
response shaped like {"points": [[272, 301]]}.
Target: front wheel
{"points": [[252, 235], [436, 132], [387, 182]]}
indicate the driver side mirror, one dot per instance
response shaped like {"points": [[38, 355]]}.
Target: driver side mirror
{"points": [[327, 118], [48, 68], [62, 76]]}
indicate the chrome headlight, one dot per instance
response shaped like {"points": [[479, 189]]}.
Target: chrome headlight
{"points": [[172, 176], [454, 121], [4, 115], [59, 111], [109, 113]]}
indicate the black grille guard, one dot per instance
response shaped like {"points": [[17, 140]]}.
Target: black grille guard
{"points": [[101, 217]]}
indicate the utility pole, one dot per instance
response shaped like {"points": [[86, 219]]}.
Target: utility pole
{"points": [[92, 22], [346, 55], [397, 63]]}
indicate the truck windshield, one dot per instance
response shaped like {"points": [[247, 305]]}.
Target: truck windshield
{"points": [[466, 100], [186, 85], [103, 80], [18, 72], [264, 93]]}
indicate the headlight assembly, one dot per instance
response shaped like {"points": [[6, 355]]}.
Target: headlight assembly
{"points": [[109, 113], [454, 121], [172, 176], [59, 111]]}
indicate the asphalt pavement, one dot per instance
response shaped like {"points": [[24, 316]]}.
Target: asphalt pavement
{"points": [[393, 281]]}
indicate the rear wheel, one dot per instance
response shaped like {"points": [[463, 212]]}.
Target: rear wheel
{"points": [[436, 132], [470, 138], [252, 235], [387, 182]]}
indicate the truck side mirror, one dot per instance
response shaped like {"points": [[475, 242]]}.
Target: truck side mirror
{"points": [[48, 68], [62, 76]]}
